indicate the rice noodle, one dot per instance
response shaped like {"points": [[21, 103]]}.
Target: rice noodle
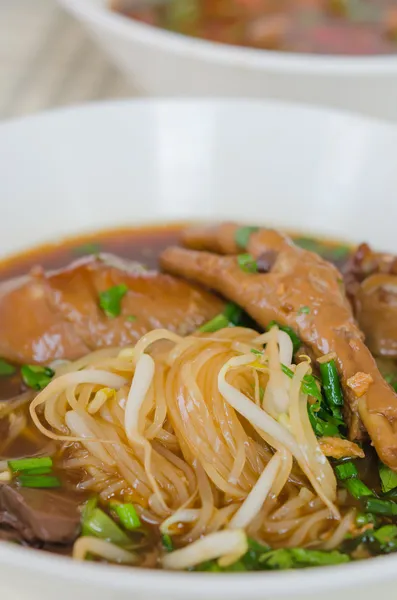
{"points": [[255, 499], [205, 437]]}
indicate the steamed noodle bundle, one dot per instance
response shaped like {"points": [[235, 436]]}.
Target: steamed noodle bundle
{"points": [[207, 436]]}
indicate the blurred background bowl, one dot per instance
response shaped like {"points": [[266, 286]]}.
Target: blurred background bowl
{"points": [[162, 63]]}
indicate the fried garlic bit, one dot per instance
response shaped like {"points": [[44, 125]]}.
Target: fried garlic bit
{"points": [[360, 383], [339, 448]]}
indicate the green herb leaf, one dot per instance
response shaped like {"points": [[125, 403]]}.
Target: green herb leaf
{"points": [[110, 300], [36, 377], [127, 514], [304, 310], [27, 464], [291, 558], [131, 318], [243, 234], [167, 542], [88, 248], [328, 251], [247, 263], [385, 534], [233, 313], [388, 478], [365, 519], [38, 481], [296, 343], [6, 369], [217, 323], [256, 352]]}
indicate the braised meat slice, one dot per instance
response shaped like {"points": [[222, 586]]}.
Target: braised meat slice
{"points": [[58, 315], [307, 293], [371, 281], [46, 516]]}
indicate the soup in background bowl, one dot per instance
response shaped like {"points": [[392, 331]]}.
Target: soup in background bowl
{"points": [[342, 27], [160, 62]]}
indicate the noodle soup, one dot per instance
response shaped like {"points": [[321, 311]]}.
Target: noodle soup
{"points": [[227, 431]]}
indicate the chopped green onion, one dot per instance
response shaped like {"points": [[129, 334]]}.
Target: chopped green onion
{"points": [[331, 383], [97, 523], [167, 542], [304, 310], [131, 318], [377, 506], [365, 519], [127, 514], [296, 343], [243, 234], [36, 377], [346, 470], [388, 478], [289, 558], [309, 385], [325, 250], [27, 464], [181, 13], [6, 369], [233, 313], [88, 248], [38, 481], [210, 566], [110, 300], [217, 323], [247, 263], [385, 534], [257, 352], [38, 471], [338, 252], [88, 509], [357, 488]]}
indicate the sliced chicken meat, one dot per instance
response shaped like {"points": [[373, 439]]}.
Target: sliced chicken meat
{"points": [[305, 292], [48, 316]]}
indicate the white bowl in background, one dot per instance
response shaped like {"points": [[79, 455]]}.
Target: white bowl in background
{"points": [[162, 63], [143, 161]]}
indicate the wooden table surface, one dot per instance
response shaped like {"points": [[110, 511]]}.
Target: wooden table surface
{"points": [[47, 60]]}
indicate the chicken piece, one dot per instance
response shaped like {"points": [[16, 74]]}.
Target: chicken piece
{"points": [[371, 280], [305, 292], [376, 312], [339, 448], [57, 315]]}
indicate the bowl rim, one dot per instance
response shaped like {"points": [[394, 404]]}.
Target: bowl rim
{"points": [[278, 583], [227, 55], [292, 584]]}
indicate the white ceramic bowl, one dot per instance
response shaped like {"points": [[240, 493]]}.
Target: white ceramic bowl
{"points": [[166, 64], [140, 162]]}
